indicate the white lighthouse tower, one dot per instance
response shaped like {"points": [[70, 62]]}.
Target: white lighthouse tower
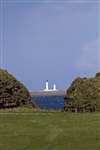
{"points": [[47, 87], [54, 87]]}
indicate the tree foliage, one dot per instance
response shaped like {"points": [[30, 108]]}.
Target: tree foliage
{"points": [[12, 92], [83, 95]]}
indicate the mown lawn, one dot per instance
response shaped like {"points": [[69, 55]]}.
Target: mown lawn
{"points": [[49, 131]]}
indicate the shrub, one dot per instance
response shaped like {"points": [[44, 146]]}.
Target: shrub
{"points": [[12, 92], [83, 95]]}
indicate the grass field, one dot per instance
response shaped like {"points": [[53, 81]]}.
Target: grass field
{"points": [[23, 130]]}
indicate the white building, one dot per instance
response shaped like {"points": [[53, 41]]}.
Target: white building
{"points": [[47, 87]]}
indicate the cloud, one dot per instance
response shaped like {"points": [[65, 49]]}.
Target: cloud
{"points": [[90, 56]]}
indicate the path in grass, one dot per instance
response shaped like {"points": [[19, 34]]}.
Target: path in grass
{"points": [[49, 131]]}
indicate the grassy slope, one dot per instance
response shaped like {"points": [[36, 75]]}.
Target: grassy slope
{"points": [[49, 131]]}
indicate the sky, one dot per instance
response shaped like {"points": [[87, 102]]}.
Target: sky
{"points": [[55, 40]]}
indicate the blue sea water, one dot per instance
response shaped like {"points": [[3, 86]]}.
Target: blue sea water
{"points": [[49, 102]]}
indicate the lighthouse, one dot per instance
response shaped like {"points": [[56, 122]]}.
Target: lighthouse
{"points": [[47, 87], [54, 87]]}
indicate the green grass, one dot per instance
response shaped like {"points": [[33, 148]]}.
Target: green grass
{"points": [[21, 130]]}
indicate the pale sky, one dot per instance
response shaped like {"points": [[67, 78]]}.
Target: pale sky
{"points": [[56, 40]]}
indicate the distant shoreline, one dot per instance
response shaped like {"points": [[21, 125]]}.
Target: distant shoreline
{"points": [[48, 93]]}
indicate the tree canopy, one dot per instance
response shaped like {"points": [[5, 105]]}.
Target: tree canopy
{"points": [[83, 95], [12, 92]]}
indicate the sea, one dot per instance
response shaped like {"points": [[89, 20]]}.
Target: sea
{"points": [[49, 102]]}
